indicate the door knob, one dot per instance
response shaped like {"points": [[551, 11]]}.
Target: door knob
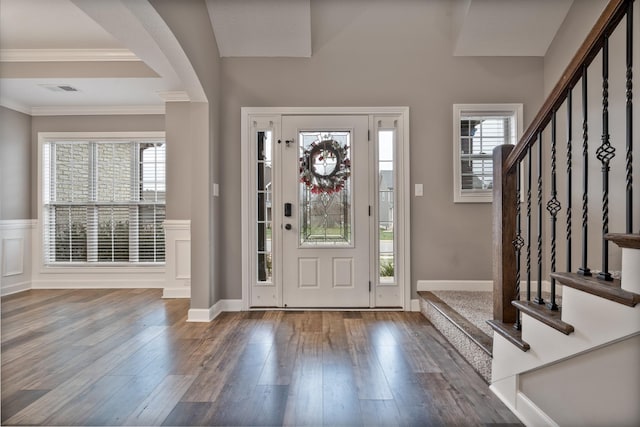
{"points": [[287, 226]]}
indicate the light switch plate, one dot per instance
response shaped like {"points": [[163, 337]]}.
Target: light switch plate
{"points": [[418, 190]]}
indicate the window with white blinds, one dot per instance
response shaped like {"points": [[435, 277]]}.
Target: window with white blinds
{"points": [[478, 129], [104, 201]]}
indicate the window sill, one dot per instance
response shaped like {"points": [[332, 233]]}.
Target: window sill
{"points": [[109, 269], [479, 197]]}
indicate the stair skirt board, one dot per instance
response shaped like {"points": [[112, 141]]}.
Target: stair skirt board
{"points": [[468, 348]]}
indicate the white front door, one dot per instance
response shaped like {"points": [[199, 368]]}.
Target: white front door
{"points": [[325, 213]]}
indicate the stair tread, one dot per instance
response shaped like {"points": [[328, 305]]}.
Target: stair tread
{"points": [[510, 333], [544, 314], [631, 241], [484, 341], [608, 290]]}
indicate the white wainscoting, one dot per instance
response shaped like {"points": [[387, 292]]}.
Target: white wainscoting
{"points": [[20, 244], [90, 277], [15, 255], [178, 259]]}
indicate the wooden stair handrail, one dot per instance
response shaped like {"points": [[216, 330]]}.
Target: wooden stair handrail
{"points": [[611, 16]]}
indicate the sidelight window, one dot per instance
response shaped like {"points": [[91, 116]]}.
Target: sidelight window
{"points": [[264, 195]]}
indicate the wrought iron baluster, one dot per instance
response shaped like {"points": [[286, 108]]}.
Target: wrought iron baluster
{"points": [[569, 178], [584, 270], [629, 124], [553, 207], [529, 165], [539, 299], [518, 243], [605, 153]]}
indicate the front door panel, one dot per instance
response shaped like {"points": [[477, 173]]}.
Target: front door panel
{"points": [[325, 221]]}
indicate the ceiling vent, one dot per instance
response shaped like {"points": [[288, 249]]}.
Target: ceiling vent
{"points": [[60, 88]]}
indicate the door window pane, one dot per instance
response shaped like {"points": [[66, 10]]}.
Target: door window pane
{"points": [[386, 202], [264, 208], [325, 197]]}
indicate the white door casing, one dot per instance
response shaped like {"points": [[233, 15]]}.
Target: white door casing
{"points": [[334, 277], [325, 253]]}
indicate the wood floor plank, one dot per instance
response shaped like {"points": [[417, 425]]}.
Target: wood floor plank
{"points": [[153, 410], [218, 366], [76, 411], [116, 409], [15, 402], [370, 379], [380, 413], [340, 402], [189, 414], [305, 399], [122, 357], [278, 368], [37, 412]]}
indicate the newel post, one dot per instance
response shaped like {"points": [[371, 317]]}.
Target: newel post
{"points": [[504, 233]]}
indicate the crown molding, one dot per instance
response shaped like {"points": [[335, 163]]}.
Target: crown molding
{"points": [[16, 106], [66, 55], [108, 110], [174, 96]]}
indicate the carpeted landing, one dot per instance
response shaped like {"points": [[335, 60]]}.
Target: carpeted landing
{"points": [[461, 316]]}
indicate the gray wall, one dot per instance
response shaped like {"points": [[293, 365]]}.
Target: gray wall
{"points": [[15, 165], [179, 142], [115, 123], [579, 21], [597, 388], [381, 53], [189, 21]]}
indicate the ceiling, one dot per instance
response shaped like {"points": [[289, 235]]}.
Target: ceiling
{"points": [[109, 52], [507, 27]]}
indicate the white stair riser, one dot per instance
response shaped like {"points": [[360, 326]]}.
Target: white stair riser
{"points": [[596, 321], [631, 270]]}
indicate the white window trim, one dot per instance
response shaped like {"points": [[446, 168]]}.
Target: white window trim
{"points": [[458, 109], [38, 240]]}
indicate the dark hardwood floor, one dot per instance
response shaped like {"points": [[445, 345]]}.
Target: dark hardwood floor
{"points": [[127, 357]]}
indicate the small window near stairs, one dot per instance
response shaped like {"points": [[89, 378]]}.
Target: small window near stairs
{"points": [[477, 130]]}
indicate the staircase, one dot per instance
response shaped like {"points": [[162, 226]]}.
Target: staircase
{"points": [[596, 334], [578, 362]]}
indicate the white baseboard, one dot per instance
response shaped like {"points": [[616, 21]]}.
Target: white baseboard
{"points": [[182, 292], [207, 315], [455, 285], [199, 315], [530, 413], [415, 305], [15, 288]]}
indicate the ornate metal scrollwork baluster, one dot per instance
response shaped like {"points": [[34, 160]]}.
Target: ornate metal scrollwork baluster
{"points": [[605, 153], [553, 207], [629, 118], [584, 270], [539, 299]]}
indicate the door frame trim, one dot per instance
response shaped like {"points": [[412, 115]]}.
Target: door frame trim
{"points": [[401, 117]]}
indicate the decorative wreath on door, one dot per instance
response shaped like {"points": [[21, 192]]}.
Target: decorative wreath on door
{"points": [[325, 167]]}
